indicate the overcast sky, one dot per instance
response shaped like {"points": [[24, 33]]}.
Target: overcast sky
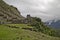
{"points": [[45, 9]]}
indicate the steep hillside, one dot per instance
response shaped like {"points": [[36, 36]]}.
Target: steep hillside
{"points": [[31, 28], [8, 13], [10, 33]]}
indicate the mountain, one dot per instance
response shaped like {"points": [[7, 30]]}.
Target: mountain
{"points": [[53, 23], [8, 13]]}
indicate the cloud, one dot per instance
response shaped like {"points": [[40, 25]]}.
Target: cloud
{"points": [[45, 9]]}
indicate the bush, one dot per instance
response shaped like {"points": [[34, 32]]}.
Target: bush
{"points": [[38, 26]]}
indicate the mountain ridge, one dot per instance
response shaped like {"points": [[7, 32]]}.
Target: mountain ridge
{"points": [[9, 13], [53, 23], [15, 26]]}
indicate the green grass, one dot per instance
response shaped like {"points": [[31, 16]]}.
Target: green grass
{"points": [[20, 25], [7, 33]]}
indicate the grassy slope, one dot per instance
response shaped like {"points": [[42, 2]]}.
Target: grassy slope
{"points": [[7, 33]]}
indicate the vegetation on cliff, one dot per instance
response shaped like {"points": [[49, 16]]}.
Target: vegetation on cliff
{"points": [[13, 26]]}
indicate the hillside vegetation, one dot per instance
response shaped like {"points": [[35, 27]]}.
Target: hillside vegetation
{"points": [[9, 33], [39, 26], [13, 26]]}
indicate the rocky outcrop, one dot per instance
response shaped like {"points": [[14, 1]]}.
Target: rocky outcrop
{"points": [[8, 13]]}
